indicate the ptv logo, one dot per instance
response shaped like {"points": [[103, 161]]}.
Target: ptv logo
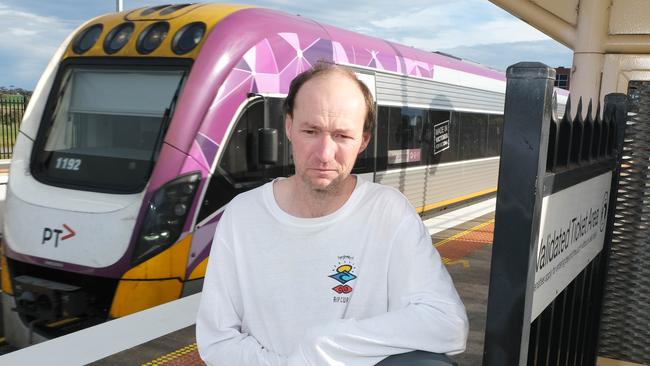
{"points": [[49, 233]]}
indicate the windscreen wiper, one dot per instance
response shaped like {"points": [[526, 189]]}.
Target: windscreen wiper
{"points": [[166, 119]]}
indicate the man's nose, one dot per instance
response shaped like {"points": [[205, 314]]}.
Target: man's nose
{"points": [[326, 148]]}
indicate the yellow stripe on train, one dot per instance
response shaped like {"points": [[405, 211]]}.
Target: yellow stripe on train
{"points": [[458, 199], [153, 282]]}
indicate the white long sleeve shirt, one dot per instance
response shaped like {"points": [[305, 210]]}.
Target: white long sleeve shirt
{"points": [[349, 288]]}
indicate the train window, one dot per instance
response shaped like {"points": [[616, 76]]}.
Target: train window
{"points": [[405, 135], [380, 138], [364, 163], [238, 160], [473, 135], [239, 169], [495, 134], [106, 127], [365, 160]]}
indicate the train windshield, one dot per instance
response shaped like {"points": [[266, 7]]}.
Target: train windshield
{"points": [[105, 127]]}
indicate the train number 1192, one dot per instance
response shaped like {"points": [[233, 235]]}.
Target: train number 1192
{"points": [[68, 163]]}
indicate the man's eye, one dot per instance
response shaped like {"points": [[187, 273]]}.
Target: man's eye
{"points": [[309, 132]]}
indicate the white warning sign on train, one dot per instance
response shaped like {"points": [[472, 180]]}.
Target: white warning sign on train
{"points": [[441, 137], [571, 234]]}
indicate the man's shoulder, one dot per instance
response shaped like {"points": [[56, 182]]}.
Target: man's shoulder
{"points": [[380, 191], [389, 198], [248, 200]]}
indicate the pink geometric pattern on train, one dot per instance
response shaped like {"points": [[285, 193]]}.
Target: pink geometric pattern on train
{"points": [[269, 67]]}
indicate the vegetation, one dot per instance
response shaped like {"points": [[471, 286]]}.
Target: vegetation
{"points": [[12, 107], [11, 90], [11, 98]]}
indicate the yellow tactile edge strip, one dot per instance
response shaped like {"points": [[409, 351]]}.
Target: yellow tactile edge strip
{"points": [[456, 236], [171, 356], [455, 200], [603, 361]]}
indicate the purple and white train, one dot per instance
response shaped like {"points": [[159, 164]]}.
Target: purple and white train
{"points": [[147, 123]]}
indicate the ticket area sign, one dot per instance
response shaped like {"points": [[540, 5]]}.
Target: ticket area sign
{"points": [[572, 233]]}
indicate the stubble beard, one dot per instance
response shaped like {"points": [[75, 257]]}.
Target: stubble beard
{"points": [[332, 189]]}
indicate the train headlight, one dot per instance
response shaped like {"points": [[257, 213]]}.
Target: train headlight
{"points": [[166, 215], [87, 38], [188, 37], [118, 37], [152, 37], [180, 209]]}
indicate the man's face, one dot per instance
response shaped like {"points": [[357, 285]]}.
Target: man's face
{"points": [[326, 131]]}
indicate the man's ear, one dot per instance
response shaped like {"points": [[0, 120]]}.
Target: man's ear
{"points": [[288, 122], [365, 140]]}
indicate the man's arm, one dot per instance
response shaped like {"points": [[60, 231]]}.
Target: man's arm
{"points": [[425, 312], [218, 324]]}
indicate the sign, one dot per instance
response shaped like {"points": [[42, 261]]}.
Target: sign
{"points": [[441, 137], [48, 232], [571, 234], [404, 156]]}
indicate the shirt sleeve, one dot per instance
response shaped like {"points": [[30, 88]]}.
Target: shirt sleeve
{"points": [[424, 311], [218, 324]]}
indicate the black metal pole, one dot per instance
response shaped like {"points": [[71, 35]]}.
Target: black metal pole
{"points": [[527, 116]]}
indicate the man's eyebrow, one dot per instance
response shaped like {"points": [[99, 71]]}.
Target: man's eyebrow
{"points": [[311, 125], [319, 127], [345, 131]]}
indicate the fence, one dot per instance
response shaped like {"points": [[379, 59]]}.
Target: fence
{"points": [[12, 108], [554, 217], [626, 310]]}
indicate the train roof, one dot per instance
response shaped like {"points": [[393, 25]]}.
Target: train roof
{"points": [[349, 47]]}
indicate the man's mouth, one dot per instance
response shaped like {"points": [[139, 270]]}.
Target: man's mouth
{"points": [[324, 170]]}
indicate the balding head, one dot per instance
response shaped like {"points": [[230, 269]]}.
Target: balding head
{"points": [[322, 69]]}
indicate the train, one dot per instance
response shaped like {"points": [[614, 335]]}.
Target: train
{"points": [[147, 122]]}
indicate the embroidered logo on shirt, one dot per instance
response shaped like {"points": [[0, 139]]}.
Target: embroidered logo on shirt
{"points": [[343, 274], [342, 289]]}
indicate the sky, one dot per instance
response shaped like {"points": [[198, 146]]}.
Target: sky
{"points": [[476, 30]]}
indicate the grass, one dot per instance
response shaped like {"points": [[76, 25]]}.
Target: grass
{"points": [[11, 98]]}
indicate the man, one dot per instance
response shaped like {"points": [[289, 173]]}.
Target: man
{"points": [[324, 268]]}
